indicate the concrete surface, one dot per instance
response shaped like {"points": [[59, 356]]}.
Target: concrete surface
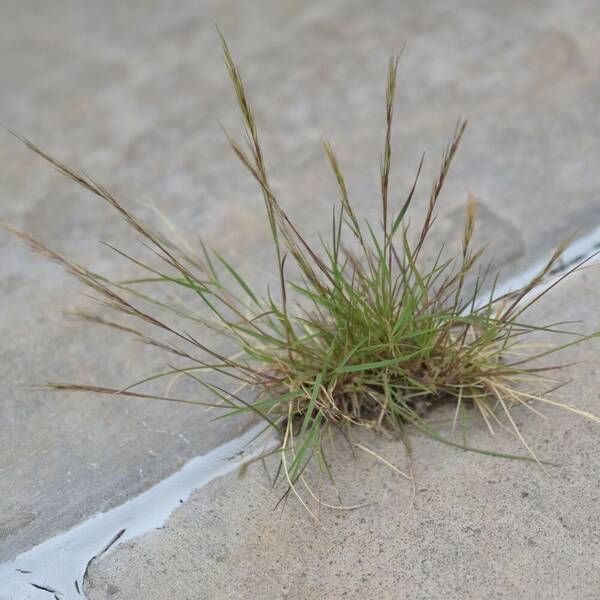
{"points": [[479, 527], [132, 92]]}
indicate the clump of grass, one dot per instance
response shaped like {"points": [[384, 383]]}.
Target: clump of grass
{"points": [[364, 336]]}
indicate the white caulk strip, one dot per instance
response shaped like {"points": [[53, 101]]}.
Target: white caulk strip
{"points": [[581, 249], [56, 568]]}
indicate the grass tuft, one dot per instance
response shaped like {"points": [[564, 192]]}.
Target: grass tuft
{"points": [[363, 337]]}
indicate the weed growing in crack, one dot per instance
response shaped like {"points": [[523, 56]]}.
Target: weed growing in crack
{"points": [[363, 337]]}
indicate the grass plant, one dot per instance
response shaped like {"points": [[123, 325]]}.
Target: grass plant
{"points": [[363, 336]]}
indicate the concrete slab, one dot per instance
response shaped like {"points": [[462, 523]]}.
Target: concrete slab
{"points": [[132, 92], [477, 527]]}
